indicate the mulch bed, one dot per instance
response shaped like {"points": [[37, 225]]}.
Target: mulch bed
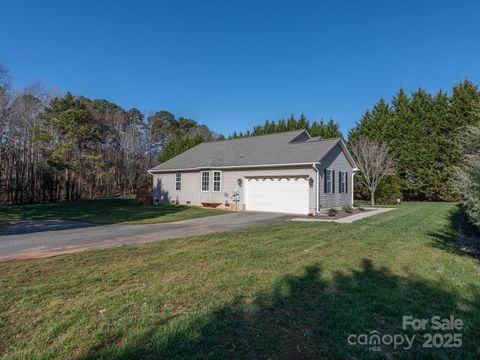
{"points": [[343, 214]]}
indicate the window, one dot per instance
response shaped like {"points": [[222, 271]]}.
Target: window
{"points": [[178, 181], [217, 175], [343, 182], [205, 181], [328, 181]]}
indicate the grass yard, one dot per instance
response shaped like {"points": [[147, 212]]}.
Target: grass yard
{"points": [[287, 290], [105, 211]]}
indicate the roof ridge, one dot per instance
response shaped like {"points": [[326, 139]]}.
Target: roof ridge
{"points": [[319, 138], [255, 136]]}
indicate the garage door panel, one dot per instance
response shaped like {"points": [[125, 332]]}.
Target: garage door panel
{"points": [[278, 194]]}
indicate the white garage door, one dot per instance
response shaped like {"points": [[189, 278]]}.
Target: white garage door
{"points": [[277, 194]]}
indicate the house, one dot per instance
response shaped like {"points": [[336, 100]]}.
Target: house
{"points": [[288, 172]]}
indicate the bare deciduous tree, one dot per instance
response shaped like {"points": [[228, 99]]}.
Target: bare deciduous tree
{"points": [[374, 161], [60, 147]]}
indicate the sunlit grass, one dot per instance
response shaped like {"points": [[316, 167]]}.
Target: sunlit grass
{"points": [[283, 290]]}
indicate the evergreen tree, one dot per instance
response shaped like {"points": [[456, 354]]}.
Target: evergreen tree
{"points": [[423, 133], [302, 122], [464, 104], [329, 130], [73, 151], [269, 127], [178, 145], [314, 130], [291, 123], [445, 150], [281, 126], [258, 130]]}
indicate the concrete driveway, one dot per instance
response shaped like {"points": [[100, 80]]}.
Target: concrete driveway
{"points": [[34, 239]]}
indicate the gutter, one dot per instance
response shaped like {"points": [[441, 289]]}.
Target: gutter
{"points": [[354, 171], [314, 165], [153, 171]]}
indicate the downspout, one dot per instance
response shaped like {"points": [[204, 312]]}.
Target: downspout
{"points": [[354, 171], [314, 165]]}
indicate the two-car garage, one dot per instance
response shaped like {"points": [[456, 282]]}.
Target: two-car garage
{"points": [[289, 194]]}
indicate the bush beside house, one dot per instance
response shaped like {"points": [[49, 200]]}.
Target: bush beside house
{"points": [[469, 176]]}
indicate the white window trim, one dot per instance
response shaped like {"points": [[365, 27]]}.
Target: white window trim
{"points": [[201, 181], [329, 181], [213, 180], [177, 182]]}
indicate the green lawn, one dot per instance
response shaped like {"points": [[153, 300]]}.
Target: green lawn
{"points": [[285, 290], [105, 211]]}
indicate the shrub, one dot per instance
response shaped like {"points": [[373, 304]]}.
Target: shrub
{"points": [[360, 190], [348, 209], [332, 212], [389, 190], [468, 176], [469, 185]]}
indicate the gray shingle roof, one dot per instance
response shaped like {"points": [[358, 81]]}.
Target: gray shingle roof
{"points": [[282, 148]]}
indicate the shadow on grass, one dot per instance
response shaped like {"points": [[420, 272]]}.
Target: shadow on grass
{"points": [[105, 211], [458, 236], [21, 227], [306, 316]]}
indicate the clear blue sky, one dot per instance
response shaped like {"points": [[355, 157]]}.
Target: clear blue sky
{"points": [[233, 64]]}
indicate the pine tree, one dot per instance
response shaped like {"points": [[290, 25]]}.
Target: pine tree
{"points": [[444, 158], [302, 122], [178, 145], [291, 123], [331, 130], [314, 130], [269, 127], [423, 132], [257, 130], [281, 126]]}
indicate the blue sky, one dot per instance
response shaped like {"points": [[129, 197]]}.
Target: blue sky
{"points": [[233, 64]]}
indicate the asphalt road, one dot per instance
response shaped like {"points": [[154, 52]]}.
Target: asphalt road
{"points": [[42, 238]]}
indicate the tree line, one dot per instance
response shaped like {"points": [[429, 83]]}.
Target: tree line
{"points": [[328, 129], [424, 133], [63, 147]]}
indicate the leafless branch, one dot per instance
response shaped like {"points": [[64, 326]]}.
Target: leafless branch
{"points": [[374, 161]]}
